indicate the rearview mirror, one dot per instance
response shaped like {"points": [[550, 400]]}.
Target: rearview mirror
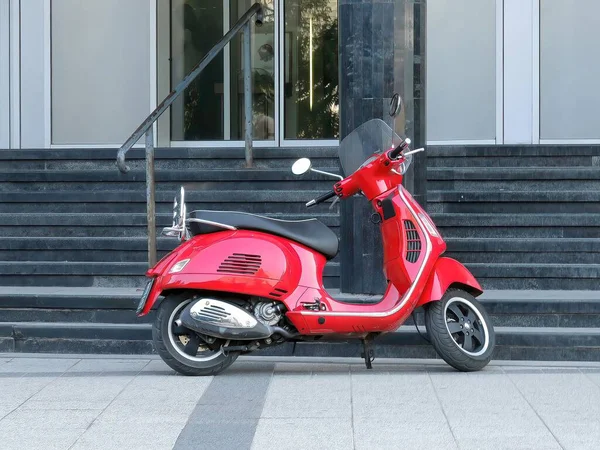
{"points": [[395, 105], [301, 166]]}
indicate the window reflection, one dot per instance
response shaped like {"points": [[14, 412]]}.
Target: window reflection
{"points": [[311, 69]]}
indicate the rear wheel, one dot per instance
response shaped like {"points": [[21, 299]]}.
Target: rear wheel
{"points": [[460, 331], [183, 349]]}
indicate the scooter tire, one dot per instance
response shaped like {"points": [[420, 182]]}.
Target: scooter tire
{"points": [[172, 356], [443, 341]]}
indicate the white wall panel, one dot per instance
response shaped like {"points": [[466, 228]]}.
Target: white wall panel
{"points": [[569, 69], [518, 71], [101, 66], [461, 70], [33, 77], [4, 74]]}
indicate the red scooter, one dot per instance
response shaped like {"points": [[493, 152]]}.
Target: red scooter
{"points": [[241, 282]]}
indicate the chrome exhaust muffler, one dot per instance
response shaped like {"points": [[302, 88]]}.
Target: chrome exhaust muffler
{"points": [[226, 321]]}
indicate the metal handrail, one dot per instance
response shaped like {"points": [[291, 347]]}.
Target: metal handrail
{"points": [[147, 126]]}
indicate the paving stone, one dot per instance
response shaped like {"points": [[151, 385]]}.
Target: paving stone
{"points": [[569, 405], [16, 390], [489, 410], [378, 395], [108, 366], [305, 434], [330, 395], [129, 434], [78, 393], [394, 433], [38, 365], [44, 429]]}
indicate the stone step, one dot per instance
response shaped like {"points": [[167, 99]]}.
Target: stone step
{"points": [[199, 153], [513, 156], [514, 202], [512, 151], [169, 188], [516, 343], [139, 176], [56, 181], [512, 343], [129, 219], [525, 251], [96, 274], [134, 197], [73, 248], [113, 305], [523, 219], [518, 225], [513, 179], [540, 232], [112, 225], [165, 159], [283, 202], [134, 249]]}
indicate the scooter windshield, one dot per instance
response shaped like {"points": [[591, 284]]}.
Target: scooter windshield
{"points": [[371, 137]]}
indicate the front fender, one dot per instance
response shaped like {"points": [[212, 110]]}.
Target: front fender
{"points": [[448, 273]]}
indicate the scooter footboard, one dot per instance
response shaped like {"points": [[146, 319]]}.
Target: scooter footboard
{"points": [[448, 273]]}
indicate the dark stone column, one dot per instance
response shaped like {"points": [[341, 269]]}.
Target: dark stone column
{"points": [[381, 51]]}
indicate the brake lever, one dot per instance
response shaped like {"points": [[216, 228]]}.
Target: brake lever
{"points": [[335, 200], [412, 152]]}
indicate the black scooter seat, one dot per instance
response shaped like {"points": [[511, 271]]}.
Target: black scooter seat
{"points": [[310, 232]]}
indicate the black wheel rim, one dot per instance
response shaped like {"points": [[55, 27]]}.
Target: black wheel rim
{"points": [[466, 326]]}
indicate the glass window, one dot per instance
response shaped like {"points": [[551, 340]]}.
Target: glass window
{"points": [[4, 76], [100, 70], [461, 70], [569, 69], [310, 84], [196, 26], [263, 60]]}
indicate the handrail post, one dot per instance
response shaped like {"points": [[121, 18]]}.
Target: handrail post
{"points": [[248, 95], [150, 197]]}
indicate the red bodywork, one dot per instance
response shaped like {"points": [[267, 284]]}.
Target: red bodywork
{"points": [[292, 273]]}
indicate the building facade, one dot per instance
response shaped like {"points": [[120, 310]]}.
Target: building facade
{"points": [[502, 91], [84, 74]]}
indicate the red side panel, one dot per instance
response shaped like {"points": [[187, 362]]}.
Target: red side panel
{"points": [[245, 262], [446, 272]]}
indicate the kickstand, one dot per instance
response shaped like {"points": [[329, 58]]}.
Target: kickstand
{"points": [[368, 353]]}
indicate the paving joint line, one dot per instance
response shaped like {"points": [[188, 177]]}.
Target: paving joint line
{"points": [[534, 410], [437, 397], [264, 400], [38, 391], [107, 406], [352, 407], [591, 380]]}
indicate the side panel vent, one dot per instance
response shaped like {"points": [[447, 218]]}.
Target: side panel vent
{"points": [[240, 264], [278, 292], [413, 242]]}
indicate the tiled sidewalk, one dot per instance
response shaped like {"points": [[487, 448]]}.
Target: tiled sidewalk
{"points": [[138, 403]]}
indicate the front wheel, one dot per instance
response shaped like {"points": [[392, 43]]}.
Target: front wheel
{"points": [[460, 331], [182, 349]]}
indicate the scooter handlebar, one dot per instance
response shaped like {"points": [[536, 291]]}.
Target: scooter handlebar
{"points": [[403, 146], [321, 199]]}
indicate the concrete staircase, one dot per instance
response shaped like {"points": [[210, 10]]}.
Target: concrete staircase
{"points": [[520, 217], [69, 218], [73, 248], [530, 325]]}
